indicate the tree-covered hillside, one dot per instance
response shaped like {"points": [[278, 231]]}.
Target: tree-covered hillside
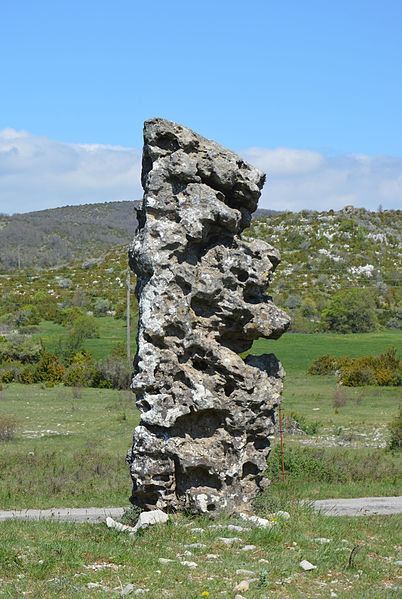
{"points": [[334, 264], [58, 236]]}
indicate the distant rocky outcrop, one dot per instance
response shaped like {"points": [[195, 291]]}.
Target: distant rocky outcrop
{"points": [[206, 413]]}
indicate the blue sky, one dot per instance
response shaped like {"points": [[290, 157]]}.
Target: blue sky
{"points": [[309, 90]]}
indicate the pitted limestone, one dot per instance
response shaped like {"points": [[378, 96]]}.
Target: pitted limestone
{"points": [[205, 412]]}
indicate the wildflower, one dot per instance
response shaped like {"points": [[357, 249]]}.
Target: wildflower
{"points": [[204, 594]]}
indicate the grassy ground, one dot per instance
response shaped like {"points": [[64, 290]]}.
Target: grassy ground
{"points": [[296, 351], [111, 332], [69, 446], [45, 559], [69, 449]]}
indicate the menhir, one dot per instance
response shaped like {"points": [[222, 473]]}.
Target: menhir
{"points": [[206, 413]]}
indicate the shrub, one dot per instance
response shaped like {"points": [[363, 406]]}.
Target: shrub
{"points": [[81, 370], [293, 301], [395, 429], [78, 375], [20, 347], [84, 327], [325, 364], [48, 369], [383, 369], [101, 306], [357, 376], [350, 311], [113, 373], [7, 428]]}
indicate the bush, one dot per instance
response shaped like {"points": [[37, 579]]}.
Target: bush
{"points": [[357, 376], [395, 428], [350, 311], [383, 370], [20, 347], [7, 428], [293, 301], [325, 364], [84, 327], [48, 369], [81, 370], [113, 373], [101, 306]]}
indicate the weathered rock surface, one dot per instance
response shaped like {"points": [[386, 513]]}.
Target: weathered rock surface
{"points": [[205, 412]]}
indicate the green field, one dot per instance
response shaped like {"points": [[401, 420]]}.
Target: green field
{"points": [[111, 332], [69, 448]]}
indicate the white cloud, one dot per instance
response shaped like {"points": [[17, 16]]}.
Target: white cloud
{"points": [[304, 179], [38, 173]]}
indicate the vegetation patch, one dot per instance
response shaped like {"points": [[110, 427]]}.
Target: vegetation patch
{"points": [[383, 370]]}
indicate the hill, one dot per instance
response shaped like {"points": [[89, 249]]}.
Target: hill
{"points": [[58, 236], [322, 252]]}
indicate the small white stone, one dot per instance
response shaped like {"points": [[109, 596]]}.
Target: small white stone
{"points": [[282, 514], [229, 540], [398, 563], [237, 528], [165, 560], [264, 561], [242, 587], [322, 540], [305, 565], [196, 530], [261, 522], [149, 518], [211, 556], [248, 548], [244, 572], [333, 594], [188, 564], [195, 546]]}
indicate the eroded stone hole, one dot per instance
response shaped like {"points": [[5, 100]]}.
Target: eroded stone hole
{"points": [[202, 307], [196, 476], [249, 468]]}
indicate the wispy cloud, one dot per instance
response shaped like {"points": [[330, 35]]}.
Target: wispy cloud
{"points": [[38, 173], [304, 179]]}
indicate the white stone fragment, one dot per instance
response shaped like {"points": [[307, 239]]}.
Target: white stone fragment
{"points": [[306, 565], [110, 523], [260, 522], [244, 572], [188, 564], [229, 540], [195, 546], [248, 548], [165, 560], [322, 540], [197, 530], [150, 518]]}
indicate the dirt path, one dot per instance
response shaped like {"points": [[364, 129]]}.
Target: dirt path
{"points": [[360, 506]]}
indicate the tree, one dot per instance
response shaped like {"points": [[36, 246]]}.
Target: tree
{"points": [[350, 311]]}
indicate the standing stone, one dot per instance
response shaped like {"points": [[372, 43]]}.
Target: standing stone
{"points": [[206, 413]]}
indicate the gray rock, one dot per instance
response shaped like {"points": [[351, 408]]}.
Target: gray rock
{"points": [[205, 412], [244, 572]]}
